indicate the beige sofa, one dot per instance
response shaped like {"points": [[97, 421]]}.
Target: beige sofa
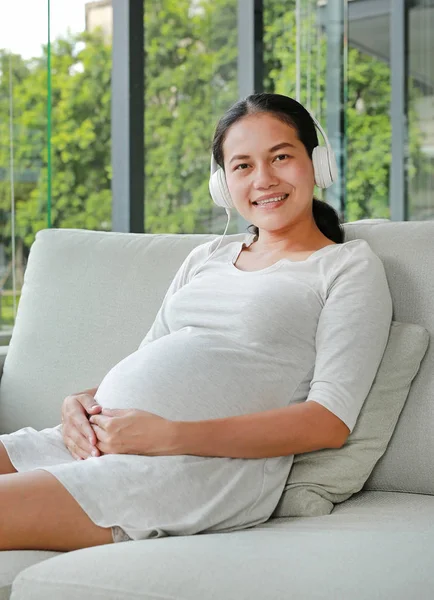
{"points": [[88, 300]]}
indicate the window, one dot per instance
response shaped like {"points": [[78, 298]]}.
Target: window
{"points": [[55, 71]]}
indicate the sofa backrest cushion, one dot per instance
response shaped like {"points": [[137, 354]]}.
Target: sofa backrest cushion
{"points": [[90, 297], [319, 480], [407, 252], [87, 301]]}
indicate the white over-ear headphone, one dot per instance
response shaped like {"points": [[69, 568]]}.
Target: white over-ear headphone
{"points": [[324, 166]]}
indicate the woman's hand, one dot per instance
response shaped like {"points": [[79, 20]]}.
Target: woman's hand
{"points": [[78, 434], [133, 431]]}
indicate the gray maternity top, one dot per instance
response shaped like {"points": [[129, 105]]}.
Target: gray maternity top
{"points": [[227, 342]]}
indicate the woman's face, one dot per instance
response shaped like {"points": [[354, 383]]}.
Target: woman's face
{"points": [[265, 161]]}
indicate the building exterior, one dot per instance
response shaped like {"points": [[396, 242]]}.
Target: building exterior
{"points": [[100, 14]]}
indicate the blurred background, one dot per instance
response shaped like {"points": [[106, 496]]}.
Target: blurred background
{"points": [[107, 110]]}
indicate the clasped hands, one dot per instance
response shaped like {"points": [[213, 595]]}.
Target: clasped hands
{"points": [[131, 431], [90, 430]]}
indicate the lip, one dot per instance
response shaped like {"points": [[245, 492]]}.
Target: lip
{"points": [[271, 206], [268, 196]]}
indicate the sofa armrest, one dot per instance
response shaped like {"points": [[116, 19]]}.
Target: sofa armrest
{"points": [[3, 352]]}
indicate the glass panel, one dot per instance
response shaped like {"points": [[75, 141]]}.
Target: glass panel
{"points": [[80, 82], [58, 92], [421, 110], [304, 56], [23, 141], [367, 114], [295, 52], [190, 80]]}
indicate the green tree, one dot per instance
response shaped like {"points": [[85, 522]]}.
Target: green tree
{"points": [[81, 172], [191, 78], [367, 111], [368, 137], [25, 168]]}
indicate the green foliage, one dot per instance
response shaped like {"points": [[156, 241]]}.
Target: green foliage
{"points": [[7, 315], [280, 52], [24, 183], [81, 195], [191, 80], [369, 137], [368, 130]]}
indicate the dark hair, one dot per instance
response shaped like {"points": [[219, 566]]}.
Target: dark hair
{"points": [[294, 114]]}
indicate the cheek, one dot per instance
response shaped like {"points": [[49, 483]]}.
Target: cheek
{"points": [[303, 174], [237, 185]]}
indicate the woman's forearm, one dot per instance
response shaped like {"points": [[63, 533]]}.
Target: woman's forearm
{"points": [[290, 430]]}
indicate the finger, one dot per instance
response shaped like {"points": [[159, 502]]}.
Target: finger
{"points": [[99, 420], [93, 440], [101, 434], [73, 438], [83, 447], [82, 423], [91, 436], [104, 444], [94, 449], [90, 439], [77, 430], [81, 454], [75, 451], [79, 421], [104, 448], [87, 401], [113, 412]]}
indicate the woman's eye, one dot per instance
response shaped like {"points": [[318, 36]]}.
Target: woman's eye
{"points": [[241, 167], [282, 156]]}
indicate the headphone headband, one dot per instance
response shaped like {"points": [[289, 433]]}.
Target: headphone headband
{"points": [[214, 164], [323, 133]]}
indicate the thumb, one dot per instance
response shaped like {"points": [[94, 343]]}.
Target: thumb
{"points": [[89, 404]]}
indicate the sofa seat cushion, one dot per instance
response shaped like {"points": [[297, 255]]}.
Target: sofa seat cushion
{"points": [[376, 545], [12, 562]]}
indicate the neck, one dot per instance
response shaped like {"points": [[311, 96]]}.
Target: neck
{"points": [[295, 240]]}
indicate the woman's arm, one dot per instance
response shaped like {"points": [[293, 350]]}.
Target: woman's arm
{"points": [[294, 429]]}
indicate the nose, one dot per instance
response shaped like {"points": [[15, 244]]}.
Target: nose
{"points": [[264, 177]]}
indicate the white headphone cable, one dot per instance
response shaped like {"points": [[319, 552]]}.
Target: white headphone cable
{"points": [[228, 212]]}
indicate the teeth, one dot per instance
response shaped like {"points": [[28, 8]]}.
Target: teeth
{"points": [[272, 200]]}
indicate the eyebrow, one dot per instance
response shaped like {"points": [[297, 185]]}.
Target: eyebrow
{"points": [[273, 149]]}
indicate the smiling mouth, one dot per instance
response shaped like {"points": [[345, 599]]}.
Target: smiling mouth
{"points": [[275, 200]]}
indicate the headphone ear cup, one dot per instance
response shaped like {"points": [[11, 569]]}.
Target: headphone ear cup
{"points": [[219, 191], [324, 166], [333, 166]]}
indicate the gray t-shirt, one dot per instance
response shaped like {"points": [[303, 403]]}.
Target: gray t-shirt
{"points": [[227, 342]]}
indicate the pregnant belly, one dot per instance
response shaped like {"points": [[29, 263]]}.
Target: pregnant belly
{"points": [[185, 377]]}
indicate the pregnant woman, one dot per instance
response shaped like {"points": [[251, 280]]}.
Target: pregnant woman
{"points": [[262, 349]]}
